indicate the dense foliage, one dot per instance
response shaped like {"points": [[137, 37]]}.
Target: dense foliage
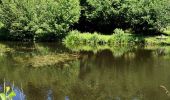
{"points": [[31, 19], [148, 15], [52, 19], [139, 15]]}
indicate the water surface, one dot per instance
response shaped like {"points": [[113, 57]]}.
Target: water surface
{"points": [[139, 73]]}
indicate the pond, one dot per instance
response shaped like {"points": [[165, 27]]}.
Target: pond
{"points": [[50, 71]]}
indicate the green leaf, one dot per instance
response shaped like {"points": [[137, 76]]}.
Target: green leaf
{"points": [[12, 94], [2, 96], [7, 89]]}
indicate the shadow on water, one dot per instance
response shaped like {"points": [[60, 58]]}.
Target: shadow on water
{"points": [[134, 73]]}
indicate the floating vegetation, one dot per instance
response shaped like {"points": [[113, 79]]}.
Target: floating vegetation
{"points": [[165, 90], [4, 48], [37, 55], [48, 60], [45, 60]]}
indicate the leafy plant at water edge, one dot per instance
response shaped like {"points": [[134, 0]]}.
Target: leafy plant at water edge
{"points": [[119, 37], [8, 93]]}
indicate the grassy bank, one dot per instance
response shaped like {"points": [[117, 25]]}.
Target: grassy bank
{"points": [[157, 40], [119, 37]]}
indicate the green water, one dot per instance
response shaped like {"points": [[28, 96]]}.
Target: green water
{"points": [[132, 74]]}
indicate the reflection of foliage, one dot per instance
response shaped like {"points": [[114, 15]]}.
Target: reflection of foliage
{"points": [[48, 60], [161, 51], [98, 74], [117, 50], [38, 55], [59, 80], [4, 49], [120, 78]]}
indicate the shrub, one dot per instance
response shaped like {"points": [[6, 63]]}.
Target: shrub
{"points": [[118, 31], [72, 38], [32, 19], [1, 25], [120, 37]]}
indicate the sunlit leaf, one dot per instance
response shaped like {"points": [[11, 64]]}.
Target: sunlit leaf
{"points": [[12, 94], [2, 96], [7, 89]]}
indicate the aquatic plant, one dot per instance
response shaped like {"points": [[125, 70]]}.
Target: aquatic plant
{"points": [[50, 60], [8, 92]]}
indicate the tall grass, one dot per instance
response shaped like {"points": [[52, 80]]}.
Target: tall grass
{"points": [[119, 37], [75, 37]]}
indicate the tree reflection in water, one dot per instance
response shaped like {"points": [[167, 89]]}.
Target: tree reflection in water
{"points": [[131, 74]]}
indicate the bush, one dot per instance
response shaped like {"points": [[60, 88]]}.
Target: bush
{"points": [[1, 25], [72, 38], [120, 37], [31, 19], [118, 31]]}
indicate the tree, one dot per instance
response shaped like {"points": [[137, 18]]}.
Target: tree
{"points": [[31, 19], [139, 15], [148, 16]]}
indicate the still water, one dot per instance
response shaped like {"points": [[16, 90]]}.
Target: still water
{"points": [[139, 73]]}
